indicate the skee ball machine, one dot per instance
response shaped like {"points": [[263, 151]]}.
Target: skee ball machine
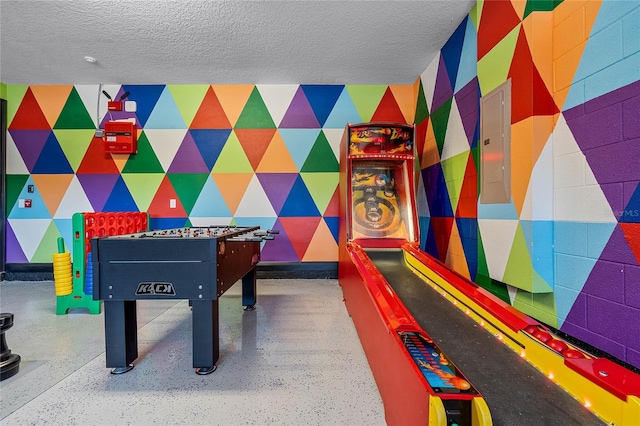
{"points": [[417, 382]]}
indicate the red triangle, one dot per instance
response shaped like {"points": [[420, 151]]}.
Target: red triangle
{"points": [[255, 142], [468, 202], [96, 160], [632, 235], [333, 208], [300, 231], [388, 109], [530, 95], [421, 137], [497, 20], [210, 115], [29, 115], [442, 231], [161, 204]]}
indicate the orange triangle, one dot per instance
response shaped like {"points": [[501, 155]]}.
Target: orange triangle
{"points": [[210, 115], [255, 142], [276, 158], [405, 96], [300, 231], [161, 204], [388, 109], [519, 7], [233, 98], [232, 187], [323, 247], [96, 161], [51, 100], [430, 153], [456, 258], [52, 188], [540, 42], [29, 115]]}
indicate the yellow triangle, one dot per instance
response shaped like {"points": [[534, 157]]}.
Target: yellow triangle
{"points": [[51, 100], [323, 247], [405, 95], [232, 187], [276, 158], [233, 98]]}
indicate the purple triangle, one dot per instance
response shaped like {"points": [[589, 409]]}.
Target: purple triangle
{"points": [[188, 158], [98, 188], [468, 100], [14, 250], [30, 144], [277, 186], [443, 91], [280, 249], [300, 115]]}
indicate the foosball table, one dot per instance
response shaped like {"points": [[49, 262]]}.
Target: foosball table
{"points": [[198, 264]]}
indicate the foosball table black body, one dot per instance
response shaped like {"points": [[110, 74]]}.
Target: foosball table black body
{"points": [[165, 266]]}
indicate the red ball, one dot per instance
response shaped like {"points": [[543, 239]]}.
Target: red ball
{"points": [[543, 336], [531, 329], [572, 353], [557, 345]]}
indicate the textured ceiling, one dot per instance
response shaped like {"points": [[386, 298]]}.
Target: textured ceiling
{"points": [[223, 42]]}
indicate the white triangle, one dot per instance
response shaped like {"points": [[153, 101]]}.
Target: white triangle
{"points": [[334, 137], [255, 202], [15, 163], [577, 203], [112, 90], [455, 140], [428, 77], [497, 239], [513, 291], [29, 233], [538, 203], [165, 144], [277, 98], [74, 201]]}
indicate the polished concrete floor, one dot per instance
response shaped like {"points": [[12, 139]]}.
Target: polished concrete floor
{"points": [[295, 360]]}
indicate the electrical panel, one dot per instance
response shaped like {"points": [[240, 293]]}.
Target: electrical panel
{"points": [[120, 137]]}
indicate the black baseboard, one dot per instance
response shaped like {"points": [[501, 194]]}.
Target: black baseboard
{"points": [[265, 270]]}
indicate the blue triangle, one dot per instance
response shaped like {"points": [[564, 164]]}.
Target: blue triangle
{"points": [[52, 159], [299, 143], [452, 50], [468, 67], [145, 97], [38, 208], [441, 205], [332, 223], [423, 225], [210, 143], [165, 114], [120, 199], [430, 245], [167, 222], [468, 230], [210, 202], [631, 213], [343, 112], [322, 99], [299, 202]]}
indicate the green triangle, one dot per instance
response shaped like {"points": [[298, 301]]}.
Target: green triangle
{"points": [[541, 306], [74, 115], [422, 109], [321, 157], [321, 186], [454, 169], [440, 120], [232, 158], [188, 98], [255, 114], [74, 144], [14, 185], [188, 224], [188, 187], [539, 6], [143, 187], [48, 245], [493, 68], [366, 98], [519, 271], [15, 93], [145, 160]]}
